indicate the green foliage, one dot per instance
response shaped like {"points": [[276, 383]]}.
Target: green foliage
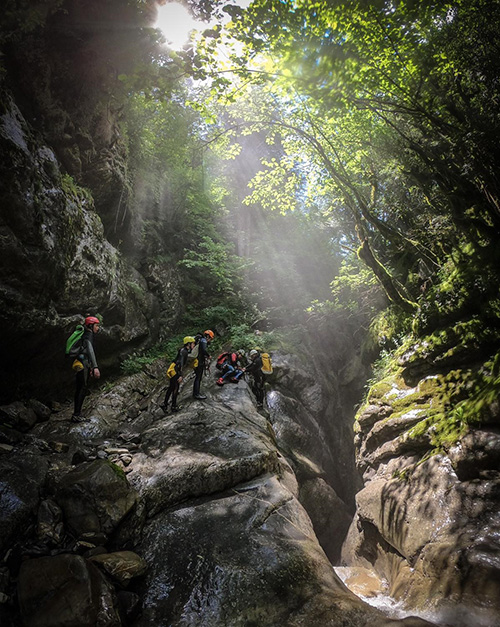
{"points": [[354, 288], [465, 286], [201, 318], [214, 264], [383, 112], [243, 337], [72, 189], [389, 329], [135, 362]]}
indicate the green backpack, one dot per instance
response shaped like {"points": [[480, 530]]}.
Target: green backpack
{"points": [[74, 341]]}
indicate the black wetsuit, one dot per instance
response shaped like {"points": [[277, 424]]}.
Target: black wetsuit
{"points": [[255, 369], [198, 371], [173, 389], [88, 359]]}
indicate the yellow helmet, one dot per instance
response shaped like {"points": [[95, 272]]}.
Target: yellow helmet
{"points": [[188, 339]]}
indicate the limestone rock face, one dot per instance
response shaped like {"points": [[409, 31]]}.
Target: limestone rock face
{"points": [[57, 265], [428, 526]]}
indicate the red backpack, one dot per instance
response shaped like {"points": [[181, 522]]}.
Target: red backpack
{"points": [[221, 359]]}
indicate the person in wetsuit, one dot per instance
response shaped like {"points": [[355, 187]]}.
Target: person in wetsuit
{"points": [[230, 368], [203, 358], [176, 368], [90, 369], [255, 369]]}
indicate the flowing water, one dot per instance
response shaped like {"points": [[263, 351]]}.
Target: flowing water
{"points": [[365, 584]]}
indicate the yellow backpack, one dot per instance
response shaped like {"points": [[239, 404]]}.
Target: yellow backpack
{"points": [[171, 370], [267, 367]]}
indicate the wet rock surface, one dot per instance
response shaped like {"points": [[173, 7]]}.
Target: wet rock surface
{"points": [[193, 518], [65, 590], [428, 525]]}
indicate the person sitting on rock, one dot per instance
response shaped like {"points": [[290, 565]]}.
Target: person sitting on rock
{"points": [[174, 373], [203, 359], [254, 368], [229, 365], [90, 369]]}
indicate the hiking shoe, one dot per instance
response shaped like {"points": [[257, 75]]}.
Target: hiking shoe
{"points": [[164, 407], [199, 397], [175, 408], [78, 418], [234, 380], [220, 381]]}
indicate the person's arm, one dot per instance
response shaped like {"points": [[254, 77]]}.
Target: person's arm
{"points": [[89, 350], [250, 367]]}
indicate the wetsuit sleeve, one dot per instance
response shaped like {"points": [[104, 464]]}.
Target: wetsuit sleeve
{"points": [[255, 366], [251, 367], [89, 351]]}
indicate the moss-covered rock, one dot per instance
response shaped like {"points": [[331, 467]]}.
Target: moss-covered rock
{"points": [[428, 448]]}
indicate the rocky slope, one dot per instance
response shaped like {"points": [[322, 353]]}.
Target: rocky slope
{"points": [[195, 518]]}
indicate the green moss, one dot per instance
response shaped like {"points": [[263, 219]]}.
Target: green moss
{"points": [[118, 471], [138, 293], [70, 188], [450, 403], [445, 345], [457, 404], [380, 390]]}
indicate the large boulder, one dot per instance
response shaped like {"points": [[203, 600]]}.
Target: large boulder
{"points": [[22, 479], [201, 452], [18, 416], [95, 497], [248, 557], [65, 591]]}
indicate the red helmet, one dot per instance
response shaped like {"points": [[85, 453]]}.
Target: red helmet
{"points": [[91, 320], [210, 334]]}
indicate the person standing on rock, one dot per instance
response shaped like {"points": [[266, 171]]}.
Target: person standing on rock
{"points": [[174, 373], [255, 369], [203, 358], [90, 369]]}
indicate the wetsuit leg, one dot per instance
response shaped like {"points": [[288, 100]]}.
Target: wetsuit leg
{"points": [[81, 378], [198, 374], [169, 391], [175, 391], [258, 390]]}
